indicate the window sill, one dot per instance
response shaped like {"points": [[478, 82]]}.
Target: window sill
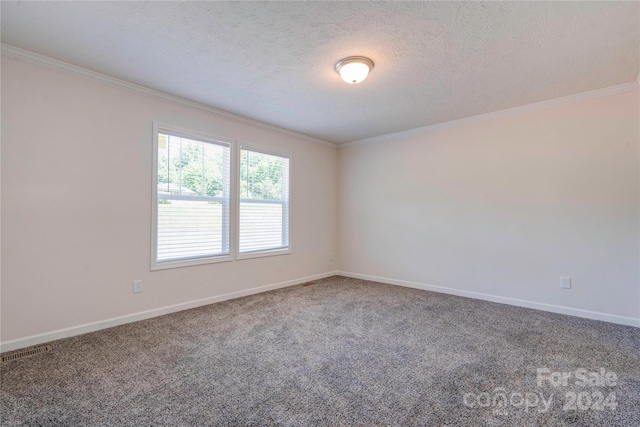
{"points": [[189, 262], [261, 254]]}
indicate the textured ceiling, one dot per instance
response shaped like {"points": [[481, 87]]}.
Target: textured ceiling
{"points": [[273, 61]]}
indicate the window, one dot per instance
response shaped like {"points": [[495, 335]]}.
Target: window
{"points": [[192, 200], [214, 201], [264, 202]]}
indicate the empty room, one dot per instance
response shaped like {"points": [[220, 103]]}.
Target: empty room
{"points": [[320, 213]]}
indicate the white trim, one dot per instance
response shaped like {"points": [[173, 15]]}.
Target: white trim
{"points": [[45, 61], [605, 317], [109, 323], [265, 150], [181, 132], [496, 114], [265, 253], [187, 262]]}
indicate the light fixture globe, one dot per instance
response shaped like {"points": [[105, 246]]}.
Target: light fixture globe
{"points": [[354, 69]]}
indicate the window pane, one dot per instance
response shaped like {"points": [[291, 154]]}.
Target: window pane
{"points": [[188, 167], [214, 170], [264, 201], [188, 229], [261, 226], [193, 198]]}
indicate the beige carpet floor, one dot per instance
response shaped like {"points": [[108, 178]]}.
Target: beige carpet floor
{"points": [[340, 352]]}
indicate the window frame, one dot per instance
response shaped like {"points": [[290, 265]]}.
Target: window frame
{"points": [[198, 136], [266, 252]]}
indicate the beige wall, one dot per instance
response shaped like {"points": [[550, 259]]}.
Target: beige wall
{"points": [[504, 206], [76, 204]]}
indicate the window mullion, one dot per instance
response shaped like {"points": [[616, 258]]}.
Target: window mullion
{"points": [[180, 169], [226, 175]]}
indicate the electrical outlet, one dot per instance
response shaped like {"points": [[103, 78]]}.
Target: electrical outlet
{"points": [[565, 282], [137, 286], [330, 256]]}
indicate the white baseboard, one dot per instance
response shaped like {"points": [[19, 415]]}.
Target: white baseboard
{"points": [[103, 324], [612, 318]]}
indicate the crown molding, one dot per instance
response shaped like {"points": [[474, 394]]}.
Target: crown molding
{"points": [[502, 113], [45, 61]]}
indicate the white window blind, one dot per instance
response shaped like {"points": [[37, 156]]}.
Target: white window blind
{"points": [[193, 198], [264, 201]]}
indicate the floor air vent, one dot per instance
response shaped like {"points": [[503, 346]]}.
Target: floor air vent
{"points": [[309, 283], [25, 353]]}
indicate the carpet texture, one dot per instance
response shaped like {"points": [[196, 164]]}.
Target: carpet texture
{"points": [[341, 352]]}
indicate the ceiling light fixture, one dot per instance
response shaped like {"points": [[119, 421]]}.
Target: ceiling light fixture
{"points": [[354, 69]]}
